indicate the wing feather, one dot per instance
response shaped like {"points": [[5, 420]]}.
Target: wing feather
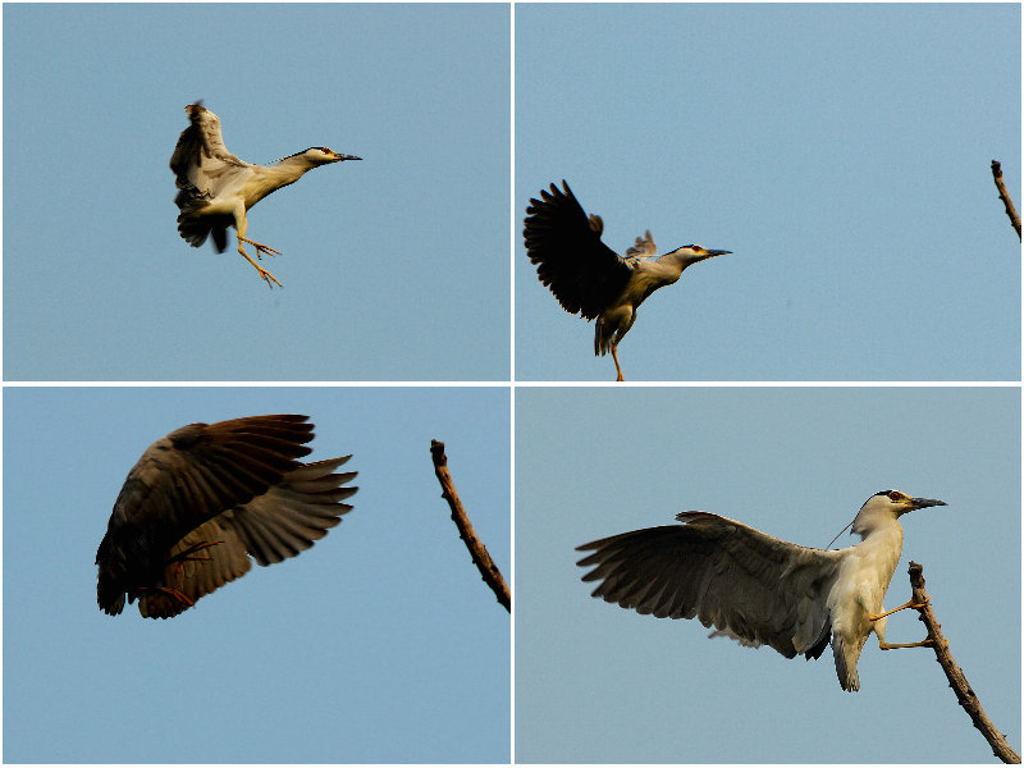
{"points": [[201, 159], [289, 517], [203, 167], [185, 479], [196, 574], [747, 584], [583, 273], [275, 525]]}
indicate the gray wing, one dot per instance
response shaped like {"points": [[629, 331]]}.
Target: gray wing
{"points": [[201, 160], [747, 584], [643, 248], [583, 273], [185, 479], [203, 167], [276, 525]]}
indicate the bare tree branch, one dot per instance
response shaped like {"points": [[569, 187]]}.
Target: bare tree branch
{"points": [[1011, 211], [481, 557], [957, 680]]}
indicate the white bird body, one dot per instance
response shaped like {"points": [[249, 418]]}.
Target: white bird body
{"points": [[757, 589], [865, 571]]}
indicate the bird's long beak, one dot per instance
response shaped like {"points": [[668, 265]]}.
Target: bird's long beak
{"points": [[346, 157], [922, 503], [717, 253]]}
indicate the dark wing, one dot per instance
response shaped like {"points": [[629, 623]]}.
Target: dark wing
{"points": [[203, 167], [583, 273], [185, 479], [278, 524], [749, 585]]}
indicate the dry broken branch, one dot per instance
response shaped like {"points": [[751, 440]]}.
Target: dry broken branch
{"points": [[481, 557], [957, 680], [1011, 211]]}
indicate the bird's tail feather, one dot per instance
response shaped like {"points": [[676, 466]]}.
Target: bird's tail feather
{"points": [[846, 655], [193, 226], [109, 594]]}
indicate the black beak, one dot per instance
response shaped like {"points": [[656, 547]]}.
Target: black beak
{"points": [[922, 503]]}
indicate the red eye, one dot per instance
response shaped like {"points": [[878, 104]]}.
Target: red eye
{"points": [[895, 495]]}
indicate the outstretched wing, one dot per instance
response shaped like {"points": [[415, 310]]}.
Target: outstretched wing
{"points": [[276, 525], [583, 273], [201, 161], [204, 168], [185, 479], [748, 585]]}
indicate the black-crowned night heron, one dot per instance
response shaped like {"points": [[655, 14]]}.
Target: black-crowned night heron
{"points": [[587, 277], [203, 499], [215, 188], [760, 590]]}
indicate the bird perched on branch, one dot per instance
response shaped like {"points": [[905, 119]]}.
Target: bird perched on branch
{"points": [[587, 277], [760, 590], [203, 499], [216, 188]]}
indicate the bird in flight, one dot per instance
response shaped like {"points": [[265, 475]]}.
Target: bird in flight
{"points": [[587, 277], [760, 590], [216, 188], [204, 499]]}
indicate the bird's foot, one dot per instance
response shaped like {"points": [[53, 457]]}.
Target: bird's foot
{"points": [[267, 277], [908, 604], [265, 274], [174, 594], [260, 248]]}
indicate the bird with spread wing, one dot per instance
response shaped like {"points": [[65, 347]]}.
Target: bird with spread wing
{"points": [[587, 277], [216, 188], [760, 590], [204, 499]]}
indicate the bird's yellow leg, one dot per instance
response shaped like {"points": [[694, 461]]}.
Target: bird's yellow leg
{"points": [[908, 604], [173, 593], [190, 553], [241, 225], [265, 274], [615, 358], [890, 646]]}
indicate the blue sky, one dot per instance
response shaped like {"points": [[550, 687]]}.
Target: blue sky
{"points": [[597, 683], [380, 644], [386, 262], [840, 150]]}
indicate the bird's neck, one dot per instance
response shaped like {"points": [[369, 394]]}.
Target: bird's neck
{"points": [[660, 271], [273, 177], [882, 543], [291, 168]]}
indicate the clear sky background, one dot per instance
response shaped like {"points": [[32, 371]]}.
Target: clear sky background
{"points": [[840, 150], [392, 267], [597, 683], [381, 644]]}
